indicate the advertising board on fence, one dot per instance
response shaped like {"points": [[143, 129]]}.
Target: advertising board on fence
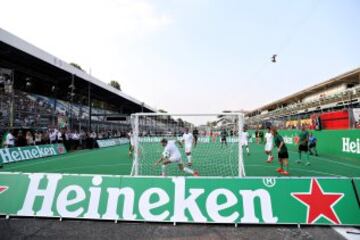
{"points": [[180, 199], [338, 143], [15, 154], [112, 142]]}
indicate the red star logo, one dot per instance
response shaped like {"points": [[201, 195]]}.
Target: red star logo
{"points": [[3, 189], [319, 204], [60, 149]]}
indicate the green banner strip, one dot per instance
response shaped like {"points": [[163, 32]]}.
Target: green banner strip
{"points": [[336, 143], [112, 142], [328, 201], [16, 154]]}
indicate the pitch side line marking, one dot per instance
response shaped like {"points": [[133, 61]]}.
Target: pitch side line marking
{"points": [[299, 169]]}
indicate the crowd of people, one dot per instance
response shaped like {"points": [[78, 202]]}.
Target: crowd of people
{"points": [[72, 139]]}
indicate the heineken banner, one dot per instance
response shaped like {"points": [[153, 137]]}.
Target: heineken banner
{"points": [[339, 143], [112, 142], [180, 199], [8, 155]]}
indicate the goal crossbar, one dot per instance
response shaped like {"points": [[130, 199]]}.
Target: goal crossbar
{"points": [[188, 114]]}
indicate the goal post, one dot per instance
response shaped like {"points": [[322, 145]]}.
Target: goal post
{"points": [[216, 148]]}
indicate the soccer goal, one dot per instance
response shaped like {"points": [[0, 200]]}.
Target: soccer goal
{"points": [[214, 149]]}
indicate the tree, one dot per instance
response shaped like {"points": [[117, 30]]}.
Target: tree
{"points": [[115, 84], [77, 66]]}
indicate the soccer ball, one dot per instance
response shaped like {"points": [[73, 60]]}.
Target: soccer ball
{"points": [[166, 154]]}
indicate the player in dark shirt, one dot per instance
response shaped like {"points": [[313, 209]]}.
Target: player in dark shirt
{"points": [[196, 136], [223, 136], [303, 144], [283, 154]]}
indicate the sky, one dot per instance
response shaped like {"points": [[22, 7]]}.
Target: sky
{"points": [[196, 56]]}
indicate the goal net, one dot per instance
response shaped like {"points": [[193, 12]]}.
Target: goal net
{"points": [[215, 144]]}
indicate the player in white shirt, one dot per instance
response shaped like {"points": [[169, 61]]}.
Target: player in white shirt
{"points": [[245, 141], [188, 140], [171, 154], [269, 145]]}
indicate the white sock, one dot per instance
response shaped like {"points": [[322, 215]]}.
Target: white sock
{"points": [[163, 170], [189, 158], [247, 149], [188, 170]]}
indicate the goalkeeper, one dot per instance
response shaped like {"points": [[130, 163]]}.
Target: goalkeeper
{"points": [[172, 154]]}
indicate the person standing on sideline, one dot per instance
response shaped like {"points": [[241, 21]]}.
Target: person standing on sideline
{"points": [[303, 144], [312, 145]]}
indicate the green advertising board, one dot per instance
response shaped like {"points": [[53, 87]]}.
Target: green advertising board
{"points": [[112, 142], [16, 154], [338, 143], [329, 201]]}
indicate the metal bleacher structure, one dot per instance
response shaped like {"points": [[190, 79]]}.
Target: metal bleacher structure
{"points": [[298, 105], [37, 89]]}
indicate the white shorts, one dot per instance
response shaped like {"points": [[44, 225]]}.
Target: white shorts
{"points": [[268, 147], [188, 148], [244, 143], [175, 159]]}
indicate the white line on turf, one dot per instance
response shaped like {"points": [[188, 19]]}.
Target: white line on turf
{"points": [[299, 169], [348, 232], [332, 161]]}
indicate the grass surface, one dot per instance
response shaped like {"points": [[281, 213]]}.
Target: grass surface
{"points": [[210, 160]]}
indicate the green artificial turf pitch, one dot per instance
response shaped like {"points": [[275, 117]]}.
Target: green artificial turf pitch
{"points": [[115, 161]]}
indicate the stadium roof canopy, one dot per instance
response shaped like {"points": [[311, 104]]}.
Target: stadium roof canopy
{"points": [[47, 70], [350, 77]]}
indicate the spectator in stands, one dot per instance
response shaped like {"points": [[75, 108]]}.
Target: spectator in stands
{"points": [[75, 140], [10, 139], [53, 136], [60, 136], [82, 135], [93, 137], [20, 139], [38, 136], [45, 137], [66, 139], [29, 138], [100, 135]]}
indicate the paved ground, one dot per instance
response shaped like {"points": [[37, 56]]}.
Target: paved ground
{"points": [[31, 228]]}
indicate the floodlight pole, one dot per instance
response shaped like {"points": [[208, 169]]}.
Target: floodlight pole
{"points": [[12, 99], [90, 106]]}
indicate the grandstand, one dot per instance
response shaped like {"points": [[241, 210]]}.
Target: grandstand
{"points": [[39, 90], [338, 94]]}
